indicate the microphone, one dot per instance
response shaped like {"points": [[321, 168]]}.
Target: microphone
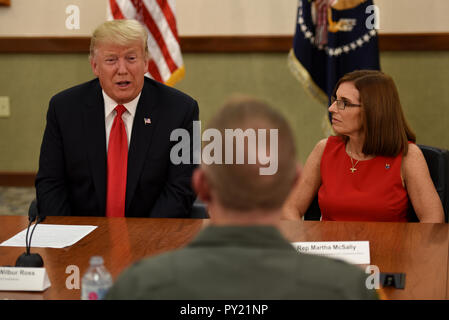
{"points": [[27, 259]]}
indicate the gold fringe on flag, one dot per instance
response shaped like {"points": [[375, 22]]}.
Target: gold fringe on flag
{"points": [[306, 80], [311, 88], [176, 76]]}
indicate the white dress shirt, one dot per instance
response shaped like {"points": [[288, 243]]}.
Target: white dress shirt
{"points": [[127, 117]]}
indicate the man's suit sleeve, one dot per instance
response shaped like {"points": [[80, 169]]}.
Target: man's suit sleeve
{"points": [[50, 180], [177, 197]]}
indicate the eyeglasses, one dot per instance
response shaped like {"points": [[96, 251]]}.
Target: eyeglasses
{"points": [[341, 104]]}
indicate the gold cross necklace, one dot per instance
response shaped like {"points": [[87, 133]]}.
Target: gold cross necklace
{"points": [[353, 165], [353, 169]]}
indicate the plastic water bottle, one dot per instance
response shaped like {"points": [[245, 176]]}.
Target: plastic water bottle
{"points": [[96, 281]]}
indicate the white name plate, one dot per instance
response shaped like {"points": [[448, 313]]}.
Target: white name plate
{"points": [[355, 252], [23, 279]]}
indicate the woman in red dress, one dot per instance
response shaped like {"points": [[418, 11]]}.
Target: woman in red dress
{"points": [[371, 170]]}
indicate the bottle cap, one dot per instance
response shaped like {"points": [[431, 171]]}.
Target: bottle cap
{"points": [[96, 261]]}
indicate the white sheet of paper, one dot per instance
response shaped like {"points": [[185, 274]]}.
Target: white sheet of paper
{"points": [[355, 252], [50, 236]]}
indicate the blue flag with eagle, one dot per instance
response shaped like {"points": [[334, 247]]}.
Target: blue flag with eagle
{"points": [[333, 37]]}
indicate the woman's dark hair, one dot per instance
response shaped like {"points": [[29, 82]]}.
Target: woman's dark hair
{"points": [[387, 132]]}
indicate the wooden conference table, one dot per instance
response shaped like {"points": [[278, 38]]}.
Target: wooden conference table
{"points": [[419, 250]]}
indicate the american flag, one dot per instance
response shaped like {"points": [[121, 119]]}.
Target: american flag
{"points": [[158, 16]]}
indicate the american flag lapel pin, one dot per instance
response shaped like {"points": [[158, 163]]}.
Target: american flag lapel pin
{"points": [[146, 121]]}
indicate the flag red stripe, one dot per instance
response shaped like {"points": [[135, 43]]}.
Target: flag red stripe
{"points": [[169, 16], [115, 10], [154, 71], [149, 22]]}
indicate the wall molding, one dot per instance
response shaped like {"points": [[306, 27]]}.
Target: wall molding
{"points": [[17, 179], [414, 42], [224, 44]]}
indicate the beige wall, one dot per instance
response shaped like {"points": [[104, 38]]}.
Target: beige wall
{"points": [[215, 17], [48, 17], [31, 79]]}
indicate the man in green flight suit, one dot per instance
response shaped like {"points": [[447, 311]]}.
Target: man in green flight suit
{"points": [[242, 254]]}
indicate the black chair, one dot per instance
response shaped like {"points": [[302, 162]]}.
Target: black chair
{"points": [[199, 210], [314, 212], [438, 163]]}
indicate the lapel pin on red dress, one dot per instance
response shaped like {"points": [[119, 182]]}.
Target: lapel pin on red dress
{"points": [[387, 166]]}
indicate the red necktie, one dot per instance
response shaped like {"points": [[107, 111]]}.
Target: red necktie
{"points": [[117, 166]]}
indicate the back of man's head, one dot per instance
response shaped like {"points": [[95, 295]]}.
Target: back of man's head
{"points": [[267, 174]]}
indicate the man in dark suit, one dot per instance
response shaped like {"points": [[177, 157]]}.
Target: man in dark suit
{"points": [[106, 146], [242, 254]]}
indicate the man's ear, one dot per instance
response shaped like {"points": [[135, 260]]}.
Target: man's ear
{"points": [[201, 185], [94, 65], [147, 61]]}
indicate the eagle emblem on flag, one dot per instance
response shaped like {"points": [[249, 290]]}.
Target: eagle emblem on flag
{"points": [[332, 38]]}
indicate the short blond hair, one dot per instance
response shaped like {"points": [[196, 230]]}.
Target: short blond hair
{"points": [[240, 186], [121, 32]]}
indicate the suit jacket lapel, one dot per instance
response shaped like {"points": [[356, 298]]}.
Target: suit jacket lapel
{"points": [[94, 118], [140, 138]]}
